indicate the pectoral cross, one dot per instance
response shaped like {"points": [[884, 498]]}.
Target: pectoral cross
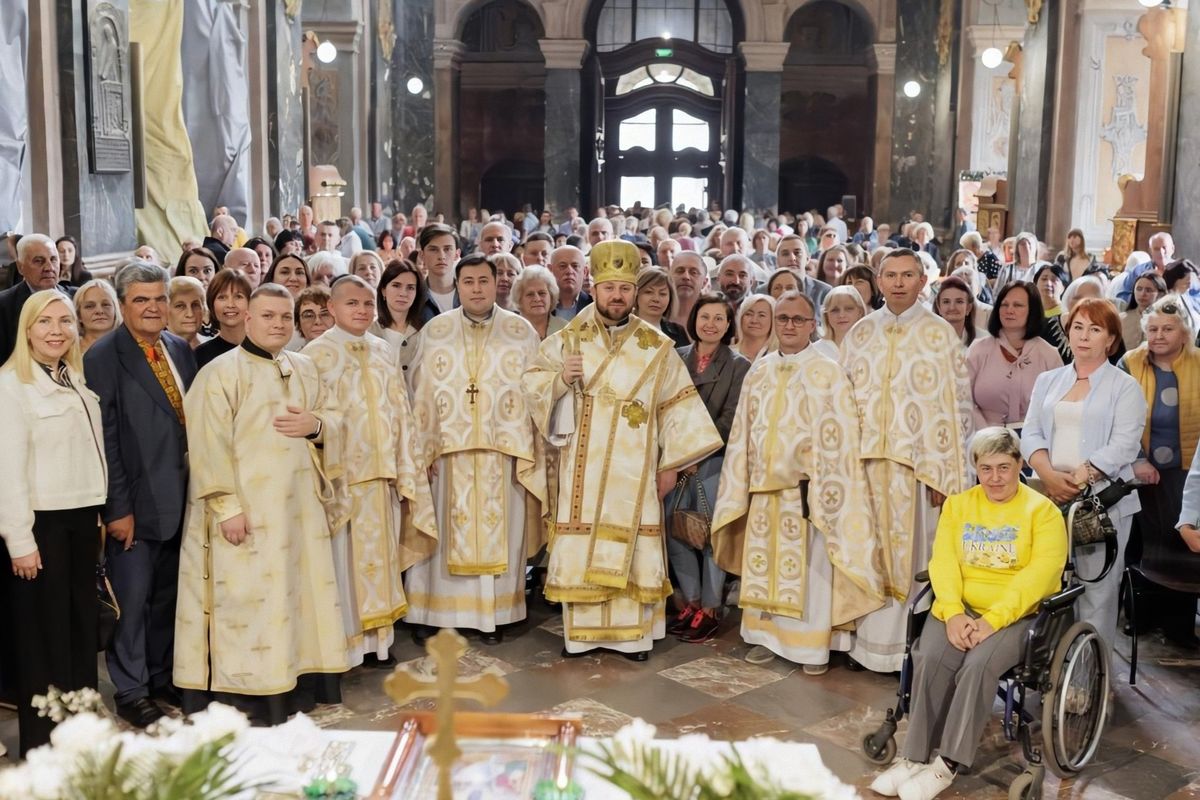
{"points": [[472, 391], [488, 689]]}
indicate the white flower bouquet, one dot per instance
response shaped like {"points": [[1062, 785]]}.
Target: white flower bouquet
{"points": [[90, 758], [687, 769]]}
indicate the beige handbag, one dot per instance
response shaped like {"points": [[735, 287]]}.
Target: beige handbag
{"points": [[693, 528]]}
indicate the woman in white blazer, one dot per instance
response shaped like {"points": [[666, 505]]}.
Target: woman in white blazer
{"points": [[1084, 425], [53, 480]]}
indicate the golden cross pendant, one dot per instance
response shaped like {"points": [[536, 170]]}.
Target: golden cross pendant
{"points": [[472, 391], [487, 689]]}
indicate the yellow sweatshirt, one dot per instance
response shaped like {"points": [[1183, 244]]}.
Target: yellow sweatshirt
{"points": [[1001, 559]]}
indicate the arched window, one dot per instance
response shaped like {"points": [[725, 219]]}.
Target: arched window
{"points": [[658, 74], [705, 22]]}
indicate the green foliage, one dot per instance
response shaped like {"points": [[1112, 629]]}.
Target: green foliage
{"points": [[208, 773]]}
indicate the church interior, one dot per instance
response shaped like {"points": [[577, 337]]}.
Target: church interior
{"points": [[127, 123]]}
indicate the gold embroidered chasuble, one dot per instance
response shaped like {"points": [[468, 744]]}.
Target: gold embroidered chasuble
{"points": [[470, 412], [266, 611], [384, 497], [796, 422], [912, 391], [636, 413]]}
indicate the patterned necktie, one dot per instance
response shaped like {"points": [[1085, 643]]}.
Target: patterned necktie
{"points": [[156, 356]]}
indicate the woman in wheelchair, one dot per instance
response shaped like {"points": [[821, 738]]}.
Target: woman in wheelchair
{"points": [[999, 551]]}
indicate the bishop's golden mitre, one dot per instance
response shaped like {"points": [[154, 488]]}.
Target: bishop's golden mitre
{"points": [[616, 260]]}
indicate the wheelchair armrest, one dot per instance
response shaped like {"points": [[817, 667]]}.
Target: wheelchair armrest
{"points": [[922, 576], [1061, 600]]}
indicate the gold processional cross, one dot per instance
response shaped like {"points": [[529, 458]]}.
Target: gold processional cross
{"points": [[488, 689]]}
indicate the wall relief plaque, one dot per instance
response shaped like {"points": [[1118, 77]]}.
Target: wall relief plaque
{"points": [[109, 118]]}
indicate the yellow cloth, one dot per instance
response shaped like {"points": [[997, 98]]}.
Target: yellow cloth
{"points": [[172, 211], [637, 414], [1187, 373], [387, 537], [156, 356], [1001, 559], [251, 618], [468, 400], [796, 421], [913, 394]]}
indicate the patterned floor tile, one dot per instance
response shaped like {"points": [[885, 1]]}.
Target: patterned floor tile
{"points": [[721, 677]]}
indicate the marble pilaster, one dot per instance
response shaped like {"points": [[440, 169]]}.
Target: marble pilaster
{"points": [[564, 131], [761, 124], [1187, 152], [412, 113], [285, 110], [883, 56], [14, 125], [338, 97], [446, 75], [379, 153], [97, 206], [1033, 126]]}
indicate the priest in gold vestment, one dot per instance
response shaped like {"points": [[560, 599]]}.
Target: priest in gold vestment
{"points": [[792, 516], [258, 604], [382, 516], [488, 470], [611, 391], [913, 395]]}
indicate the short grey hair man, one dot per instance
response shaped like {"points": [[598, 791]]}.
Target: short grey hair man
{"points": [[138, 272]]}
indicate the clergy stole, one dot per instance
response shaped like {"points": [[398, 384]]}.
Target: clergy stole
{"points": [[471, 414], [912, 392], [637, 413], [794, 448], [266, 611], [384, 495]]}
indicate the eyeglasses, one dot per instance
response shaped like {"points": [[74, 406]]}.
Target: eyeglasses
{"points": [[782, 320], [310, 316], [1169, 308]]}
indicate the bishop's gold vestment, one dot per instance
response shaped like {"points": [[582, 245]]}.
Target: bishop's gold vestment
{"points": [[251, 618], [637, 413]]}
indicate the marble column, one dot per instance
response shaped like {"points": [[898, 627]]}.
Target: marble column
{"points": [[446, 74], [412, 111], [761, 124], [14, 124], [1033, 140], [564, 123], [339, 93], [878, 205], [97, 156], [284, 109], [922, 128], [379, 153], [1187, 151]]}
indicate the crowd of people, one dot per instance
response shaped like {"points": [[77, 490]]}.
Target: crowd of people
{"points": [[283, 445]]}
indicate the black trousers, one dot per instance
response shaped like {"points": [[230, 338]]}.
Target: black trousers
{"points": [[52, 619]]}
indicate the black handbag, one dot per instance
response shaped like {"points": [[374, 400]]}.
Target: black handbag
{"points": [[1088, 522]]}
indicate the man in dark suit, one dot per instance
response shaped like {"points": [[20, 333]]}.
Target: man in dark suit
{"points": [[567, 264], [37, 268], [140, 373], [222, 233]]}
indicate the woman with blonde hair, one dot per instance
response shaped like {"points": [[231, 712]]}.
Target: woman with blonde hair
{"points": [[840, 309], [367, 265], [98, 311], [654, 302], [754, 324], [55, 483], [508, 269]]}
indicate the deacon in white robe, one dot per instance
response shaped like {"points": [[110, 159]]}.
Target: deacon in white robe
{"points": [[611, 391], [488, 470], [382, 516], [912, 391], [258, 604], [792, 515]]}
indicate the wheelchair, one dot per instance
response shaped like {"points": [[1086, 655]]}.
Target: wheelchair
{"points": [[1065, 663]]}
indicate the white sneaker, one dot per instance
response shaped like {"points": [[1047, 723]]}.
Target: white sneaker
{"points": [[816, 669], [929, 782], [759, 655], [888, 783]]}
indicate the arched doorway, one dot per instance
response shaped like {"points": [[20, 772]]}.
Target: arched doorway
{"points": [[501, 108], [666, 102], [827, 112]]}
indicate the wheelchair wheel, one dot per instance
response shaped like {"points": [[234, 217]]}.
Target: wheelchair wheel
{"points": [[1026, 786], [1075, 707], [876, 755]]}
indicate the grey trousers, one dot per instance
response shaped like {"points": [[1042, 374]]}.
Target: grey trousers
{"points": [[700, 579], [953, 691]]}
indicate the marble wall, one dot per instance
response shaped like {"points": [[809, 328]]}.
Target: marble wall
{"points": [[285, 112], [562, 139], [760, 138], [14, 123], [1187, 159], [412, 113], [97, 207], [1034, 126]]}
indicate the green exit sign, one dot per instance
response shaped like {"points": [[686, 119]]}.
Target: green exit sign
{"points": [[663, 52]]}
